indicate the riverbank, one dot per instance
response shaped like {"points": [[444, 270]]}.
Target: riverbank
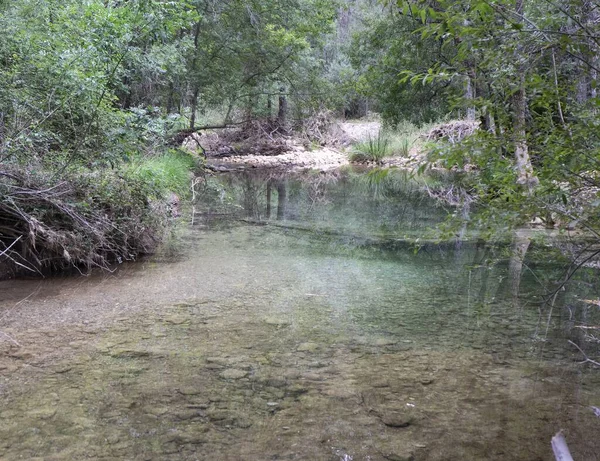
{"points": [[337, 146], [325, 149], [76, 218]]}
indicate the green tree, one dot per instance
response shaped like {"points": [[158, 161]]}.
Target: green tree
{"points": [[530, 72]]}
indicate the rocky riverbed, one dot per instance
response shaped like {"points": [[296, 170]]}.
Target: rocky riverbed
{"points": [[255, 342], [187, 382]]}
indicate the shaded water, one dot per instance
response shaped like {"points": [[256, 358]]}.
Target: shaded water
{"points": [[301, 327]]}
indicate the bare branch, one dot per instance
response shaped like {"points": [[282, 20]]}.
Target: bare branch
{"points": [[587, 359]]}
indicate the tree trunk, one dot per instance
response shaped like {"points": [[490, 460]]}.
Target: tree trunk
{"points": [[269, 107], [465, 214], [283, 107], [586, 83], [194, 107], [583, 87], [519, 249], [523, 161], [171, 98], [2, 132], [196, 88], [470, 95], [250, 105], [524, 167], [269, 190]]}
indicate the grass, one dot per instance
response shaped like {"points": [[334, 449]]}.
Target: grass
{"points": [[374, 149], [169, 172], [407, 137], [399, 141]]}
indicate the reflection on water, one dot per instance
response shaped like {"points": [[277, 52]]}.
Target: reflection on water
{"points": [[297, 321]]}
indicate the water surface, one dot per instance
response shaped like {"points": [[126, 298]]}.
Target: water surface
{"points": [[301, 326]]}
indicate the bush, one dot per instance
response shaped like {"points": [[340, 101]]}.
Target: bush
{"points": [[169, 172]]}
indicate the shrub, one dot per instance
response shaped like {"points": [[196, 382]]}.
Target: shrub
{"points": [[169, 172]]}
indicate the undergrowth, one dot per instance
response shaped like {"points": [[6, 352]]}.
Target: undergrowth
{"points": [[167, 172]]}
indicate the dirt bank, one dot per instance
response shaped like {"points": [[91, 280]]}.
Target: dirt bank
{"points": [[295, 153], [291, 153]]}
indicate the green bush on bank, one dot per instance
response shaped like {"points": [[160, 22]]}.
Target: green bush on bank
{"points": [[166, 173]]}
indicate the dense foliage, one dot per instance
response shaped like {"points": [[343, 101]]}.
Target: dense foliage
{"points": [[92, 93], [526, 71], [97, 88]]}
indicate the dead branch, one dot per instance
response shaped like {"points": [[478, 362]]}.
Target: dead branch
{"points": [[10, 338], [48, 227], [322, 128], [10, 246], [587, 359], [452, 132]]}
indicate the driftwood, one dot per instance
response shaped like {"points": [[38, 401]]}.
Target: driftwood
{"points": [[259, 137], [586, 358], [182, 135], [268, 137], [322, 128], [560, 448], [452, 132]]}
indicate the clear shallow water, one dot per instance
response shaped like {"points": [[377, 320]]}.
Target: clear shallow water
{"points": [[321, 335]]}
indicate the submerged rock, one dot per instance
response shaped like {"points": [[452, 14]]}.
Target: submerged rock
{"points": [[186, 415], [277, 321], [384, 342], [307, 347], [233, 373], [43, 413], [189, 391], [397, 419], [129, 353], [399, 456], [196, 437]]}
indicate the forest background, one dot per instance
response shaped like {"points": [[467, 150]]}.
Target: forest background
{"points": [[94, 94]]}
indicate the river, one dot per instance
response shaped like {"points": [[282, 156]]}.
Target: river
{"points": [[294, 319]]}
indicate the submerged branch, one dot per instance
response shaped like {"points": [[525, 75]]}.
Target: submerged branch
{"points": [[560, 448]]}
